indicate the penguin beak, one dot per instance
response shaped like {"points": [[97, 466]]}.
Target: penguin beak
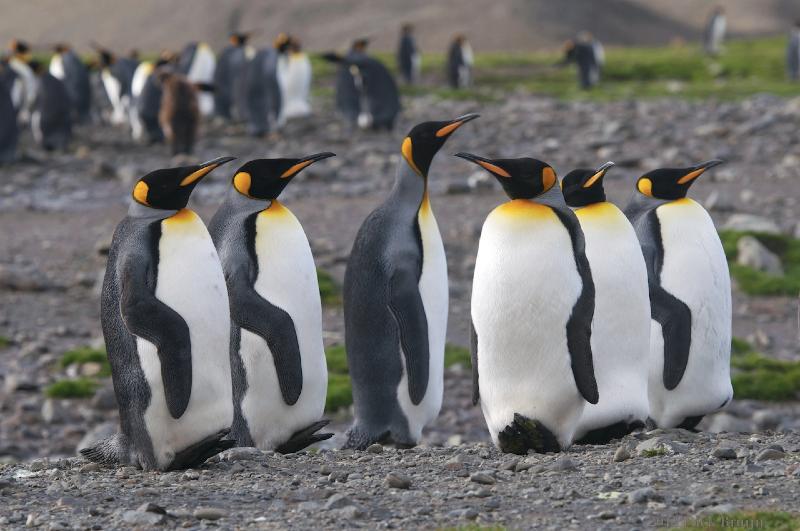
{"points": [[598, 174], [697, 171], [204, 169], [455, 124], [304, 162], [486, 164]]}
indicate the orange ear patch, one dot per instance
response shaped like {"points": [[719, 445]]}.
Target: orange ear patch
{"points": [[645, 186], [242, 182], [408, 155], [548, 178], [140, 192]]}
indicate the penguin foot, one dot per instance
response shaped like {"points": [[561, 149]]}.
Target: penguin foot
{"points": [[604, 435], [525, 434], [196, 454], [359, 439], [304, 438], [690, 423], [106, 452]]}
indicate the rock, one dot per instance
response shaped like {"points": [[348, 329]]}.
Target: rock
{"points": [[89, 467], [722, 452], [725, 422], [767, 419], [151, 508], [770, 454], [752, 253], [660, 446], [350, 512], [644, 495], [241, 454], [375, 449], [143, 518], [563, 464], [209, 513], [718, 202], [622, 454], [16, 278], [469, 513], [397, 480], [482, 478], [337, 501], [751, 223]]}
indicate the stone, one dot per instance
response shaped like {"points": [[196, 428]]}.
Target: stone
{"points": [[209, 513], [375, 449], [143, 518], [751, 223], [622, 454], [241, 454], [767, 419], [722, 452], [396, 480], [725, 422], [752, 253], [469, 513], [770, 454], [337, 501], [482, 478], [644, 495], [563, 464], [150, 507]]}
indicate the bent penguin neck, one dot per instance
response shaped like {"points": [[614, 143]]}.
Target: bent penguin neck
{"points": [[409, 191]]}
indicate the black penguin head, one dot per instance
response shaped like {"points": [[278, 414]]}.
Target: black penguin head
{"points": [[19, 48], [106, 58], [523, 178], [61, 48], [672, 183], [426, 139], [238, 39], [170, 188], [282, 42], [266, 178], [407, 29], [583, 187], [360, 45]]}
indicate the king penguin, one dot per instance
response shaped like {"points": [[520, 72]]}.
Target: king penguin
{"points": [[117, 76], [409, 60], [229, 77], [690, 298], [197, 62], [621, 324], [23, 94], [68, 67], [532, 308], [166, 322], [459, 63], [280, 376], [294, 77], [51, 122], [396, 302], [9, 131]]}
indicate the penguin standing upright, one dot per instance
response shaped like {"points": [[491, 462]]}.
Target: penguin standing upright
{"points": [[51, 121], [23, 93], [714, 33], [294, 77], [146, 95], [229, 77], [532, 308], [117, 75], [459, 63], [690, 298], [262, 90], [68, 67], [280, 376], [166, 322], [396, 302], [621, 324], [409, 60], [179, 115], [9, 132], [198, 63]]}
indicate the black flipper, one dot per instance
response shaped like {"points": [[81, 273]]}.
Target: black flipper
{"points": [[405, 305], [196, 454], [473, 350], [524, 434], [147, 317], [254, 313], [106, 452], [579, 325], [304, 438]]}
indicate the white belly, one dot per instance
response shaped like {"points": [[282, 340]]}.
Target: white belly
{"points": [[433, 289], [119, 103], [287, 278], [525, 286], [191, 282], [294, 76], [621, 323], [696, 272]]}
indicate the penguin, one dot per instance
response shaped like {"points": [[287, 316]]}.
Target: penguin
{"points": [[294, 78], [793, 52], [532, 308], [280, 376], [24, 92], [459, 63], [166, 323], [9, 131], [262, 90], [588, 55], [179, 115], [146, 94], [621, 323], [714, 33], [229, 77], [117, 76], [395, 303], [68, 67], [690, 298], [197, 62], [409, 59], [51, 121]]}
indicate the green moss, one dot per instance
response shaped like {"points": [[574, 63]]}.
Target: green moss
{"points": [[654, 452], [76, 388], [4, 342], [454, 354], [82, 355], [758, 377], [755, 282], [329, 290], [740, 346], [745, 520]]}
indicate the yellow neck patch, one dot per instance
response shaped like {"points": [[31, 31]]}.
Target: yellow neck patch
{"points": [[408, 155], [140, 192], [242, 181], [645, 186]]}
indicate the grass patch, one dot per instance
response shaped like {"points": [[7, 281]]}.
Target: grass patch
{"points": [[455, 354], [654, 452], [82, 355], [755, 282], [758, 377], [745, 520], [74, 388], [4, 342], [329, 290]]}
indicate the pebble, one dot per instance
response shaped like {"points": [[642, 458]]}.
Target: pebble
{"points": [[143, 518], [622, 454], [375, 449], [396, 480], [643, 495], [337, 501], [209, 513], [563, 464], [769, 454], [482, 478], [722, 452]]}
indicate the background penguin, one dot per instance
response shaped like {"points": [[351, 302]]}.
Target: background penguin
{"points": [[179, 115], [166, 322], [459, 63], [690, 298], [532, 309], [409, 60], [23, 94], [146, 93], [280, 376], [51, 122], [294, 77], [117, 75], [198, 63], [229, 77], [714, 33], [396, 301], [262, 90], [68, 67], [9, 132], [621, 324]]}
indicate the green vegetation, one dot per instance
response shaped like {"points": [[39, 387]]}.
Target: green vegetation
{"points": [[654, 452], [4, 342], [75, 388], [758, 377], [755, 282], [82, 355], [454, 354], [745, 520], [329, 290]]}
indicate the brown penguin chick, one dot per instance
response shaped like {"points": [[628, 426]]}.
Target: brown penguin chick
{"points": [[180, 114]]}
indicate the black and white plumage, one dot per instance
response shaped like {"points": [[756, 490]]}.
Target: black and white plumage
{"points": [[68, 67], [459, 63], [51, 119], [9, 130], [409, 60]]}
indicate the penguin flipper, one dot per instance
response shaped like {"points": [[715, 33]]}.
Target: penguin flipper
{"points": [[254, 313], [147, 317], [304, 438], [675, 319], [196, 454], [405, 305], [473, 350]]}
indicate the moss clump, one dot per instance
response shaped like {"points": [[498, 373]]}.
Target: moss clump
{"points": [[4, 342], [76, 388], [758, 377], [454, 354], [744, 520], [755, 282], [329, 290], [654, 452], [82, 355]]}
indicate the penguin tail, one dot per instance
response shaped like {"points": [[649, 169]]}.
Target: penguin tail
{"points": [[304, 438], [359, 438], [524, 434], [197, 454], [109, 451]]}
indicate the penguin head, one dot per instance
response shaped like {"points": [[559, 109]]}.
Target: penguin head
{"points": [[282, 42], [672, 183], [238, 39], [523, 178], [19, 48], [170, 188], [360, 45], [426, 139], [266, 178], [583, 187]]}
